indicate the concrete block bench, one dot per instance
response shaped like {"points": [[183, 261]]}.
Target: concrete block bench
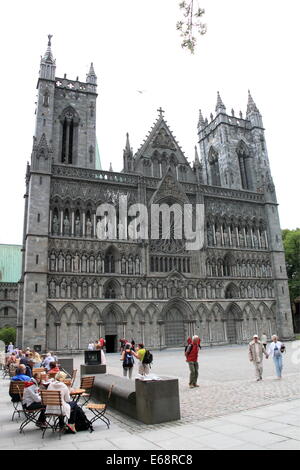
{"points": [[152, 402]]}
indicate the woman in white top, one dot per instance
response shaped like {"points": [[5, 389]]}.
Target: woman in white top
{"points": [[69, 407], [274, 350]]}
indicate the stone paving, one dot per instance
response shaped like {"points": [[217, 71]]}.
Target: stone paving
{"points": [[229, 410]]}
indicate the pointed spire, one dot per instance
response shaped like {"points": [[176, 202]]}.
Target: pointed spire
{"points": [[91, 77], [127, 146], [48, 63], [110, 167], [220, 105], [251, 107], [197, 160], [48, 56], [201, 122]]}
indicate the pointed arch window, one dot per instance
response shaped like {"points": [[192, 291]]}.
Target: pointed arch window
{"points": [[213, 159], [243, 156], [69, 122]]}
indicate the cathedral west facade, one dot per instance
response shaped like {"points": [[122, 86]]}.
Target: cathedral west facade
{"points": [[77, 287]]}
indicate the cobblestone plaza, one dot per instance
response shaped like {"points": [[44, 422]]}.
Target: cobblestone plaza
{"points": [[229, 410]]}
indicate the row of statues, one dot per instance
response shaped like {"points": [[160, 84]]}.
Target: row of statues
{"points": [[67, 227], [235, 237], [91, 289]]}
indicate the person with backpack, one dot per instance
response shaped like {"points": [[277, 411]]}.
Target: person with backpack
{"points": [[128, 361], [191, 354], [142, 355]]}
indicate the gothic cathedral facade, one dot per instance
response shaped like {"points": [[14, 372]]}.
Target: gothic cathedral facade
{"points": [[76, 287]]}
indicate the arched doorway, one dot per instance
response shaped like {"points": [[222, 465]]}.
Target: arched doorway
{"points": [[111, 332], [231, 329], [174, 328]]}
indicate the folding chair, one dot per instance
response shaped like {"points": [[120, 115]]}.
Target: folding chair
{"points": [[53, 398], [38, 370], [99, 409], [87, 383], [15, 388], [31, 416]]}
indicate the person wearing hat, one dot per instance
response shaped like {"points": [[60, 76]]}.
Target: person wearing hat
{"points": [[256, 352], [69, 407]]}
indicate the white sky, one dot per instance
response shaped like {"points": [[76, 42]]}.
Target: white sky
{"points": [[135, 46]]}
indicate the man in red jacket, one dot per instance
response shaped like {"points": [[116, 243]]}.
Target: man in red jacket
{"points": [[191, 355]]}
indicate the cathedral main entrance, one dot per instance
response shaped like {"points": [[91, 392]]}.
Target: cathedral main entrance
{"points": [[174, 328], [111, 332], [231, 329]]}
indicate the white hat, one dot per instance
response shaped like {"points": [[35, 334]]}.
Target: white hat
{"points": [[255, 336]]}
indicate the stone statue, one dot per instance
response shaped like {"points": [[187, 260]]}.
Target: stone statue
{"points": [[137, 265], [52, 262], [77, 227], [99, 264], [89, 228], [74, 290], [95, 290], [84, 290], [63, 288], [92, 264], [55, 225], [60, 263], [66, 226], [52, 289], [68, 263], [83, 263], [76, 264]]}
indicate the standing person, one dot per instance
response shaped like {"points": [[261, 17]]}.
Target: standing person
{"points": [[276, 348], [264, 340], [91, 346], [256, 351], [128, 360], [144, 369], [10, 348], [133, 345], [36, 358], [191, 355]]}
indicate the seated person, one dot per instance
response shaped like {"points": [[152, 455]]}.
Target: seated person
{"points": [[20, 376], [27, 361], [53, 368], [46, 362], [32, 399], [69, 407]]}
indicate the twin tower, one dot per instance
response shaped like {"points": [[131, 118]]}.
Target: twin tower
{"points": [[61, 295]]}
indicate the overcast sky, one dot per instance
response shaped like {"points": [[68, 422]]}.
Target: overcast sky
{"points": [[135, 48]]}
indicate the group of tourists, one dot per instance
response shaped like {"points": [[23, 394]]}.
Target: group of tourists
{"points": [[143, 355], [257, 349]]}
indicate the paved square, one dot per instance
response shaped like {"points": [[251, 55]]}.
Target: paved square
{"points": [[230, 410]]}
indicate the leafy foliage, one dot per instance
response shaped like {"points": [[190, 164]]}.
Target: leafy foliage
{"points": [[7, 335], [190, 24], [291, 243]]}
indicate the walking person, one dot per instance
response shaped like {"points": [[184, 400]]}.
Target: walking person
{"points": [[256, 352], [191, 354], [276, 348], [128, 361]]}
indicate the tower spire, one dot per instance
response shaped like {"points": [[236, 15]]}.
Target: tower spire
{"points": [[251, 107], [201, 122], [48, 63], [220, 105]]}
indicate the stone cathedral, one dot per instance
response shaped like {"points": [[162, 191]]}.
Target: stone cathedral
{"points": [[76, 287]]}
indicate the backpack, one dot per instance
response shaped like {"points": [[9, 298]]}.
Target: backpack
{"points": [[128, 360], [148, 358], [81, 423]]}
